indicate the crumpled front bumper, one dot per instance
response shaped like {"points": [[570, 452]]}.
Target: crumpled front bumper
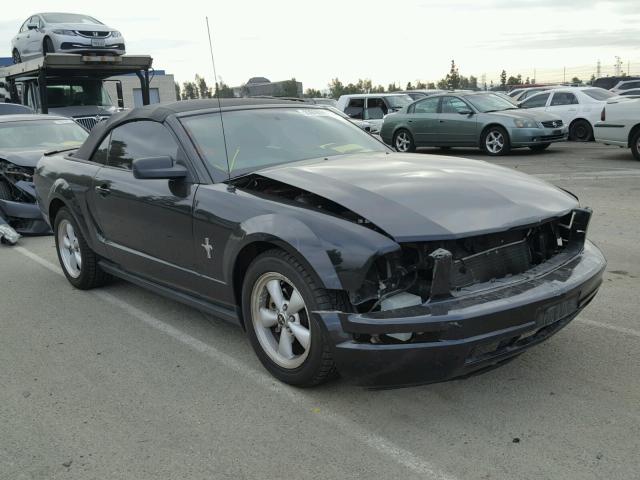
{"points": [[25, 218], [468, 333]]}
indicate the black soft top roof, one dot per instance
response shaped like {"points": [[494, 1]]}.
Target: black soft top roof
{"points": [[159, 112]]}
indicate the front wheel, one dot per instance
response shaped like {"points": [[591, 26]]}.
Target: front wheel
{"points": [[15, 56], [278, 298], [495, 141], [403, 142], [47, 46], [79, 263], [539, 148], [580, 131], [635, 145]]}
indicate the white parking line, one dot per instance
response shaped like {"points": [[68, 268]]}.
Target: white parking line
{"points": [[625, 330], [374, 441], [595, 175]]}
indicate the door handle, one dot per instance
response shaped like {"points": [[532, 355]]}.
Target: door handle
{"points": [[440, 121], [103, 190], [410, 121]]}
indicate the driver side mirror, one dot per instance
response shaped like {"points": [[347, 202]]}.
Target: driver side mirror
{"points": [[32, 26], [158, 168], [465, 112]]}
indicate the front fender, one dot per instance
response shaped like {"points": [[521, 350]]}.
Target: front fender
{"points": [[338, 252]]}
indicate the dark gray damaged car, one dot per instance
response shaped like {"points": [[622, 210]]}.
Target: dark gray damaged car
{"points": [[332, 252]]}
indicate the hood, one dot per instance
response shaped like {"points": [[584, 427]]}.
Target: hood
{"points": [[525, 114], [24, 158], [83, 111], [428, 197]]}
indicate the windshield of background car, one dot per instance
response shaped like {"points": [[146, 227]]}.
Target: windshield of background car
{"points": [[260, 138], [598, 93], [489, 103], [69, 18], [41, 135], [399, 101], [77, 94]]}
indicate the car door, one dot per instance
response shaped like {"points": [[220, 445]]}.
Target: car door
{"points": [[20, 40], [563, 105], [36, 36], [375, 110], [456, 123], [422, 120], [146, 223]]}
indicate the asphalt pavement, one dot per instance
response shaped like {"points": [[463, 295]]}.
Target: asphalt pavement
{"points": [[119, 383]]}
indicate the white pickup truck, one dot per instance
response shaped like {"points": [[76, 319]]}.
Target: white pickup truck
{"points": [[620, 124]]}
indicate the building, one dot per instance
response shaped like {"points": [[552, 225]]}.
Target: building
{"points": [[259, 86], [162, 87]]}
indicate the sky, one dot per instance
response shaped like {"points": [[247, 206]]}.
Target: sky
{"points": [[385, 41]]}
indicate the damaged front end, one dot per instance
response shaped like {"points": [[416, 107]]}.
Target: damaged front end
{"points": [[18, 205]]}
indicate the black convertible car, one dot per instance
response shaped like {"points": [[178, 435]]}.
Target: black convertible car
{"points": [[330, 250]]}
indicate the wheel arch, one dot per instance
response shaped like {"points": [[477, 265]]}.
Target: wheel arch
{"points": [[632, 132]]}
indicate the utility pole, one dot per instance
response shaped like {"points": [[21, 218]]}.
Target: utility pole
{"points": [[534, 76], [564, 74], [618, 66]]}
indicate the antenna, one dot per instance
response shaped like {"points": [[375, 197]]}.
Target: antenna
{"points": [[215, 75]]}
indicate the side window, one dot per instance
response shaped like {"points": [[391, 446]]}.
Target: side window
{"points": [[355, 108], [376, 109], [23, 28], [630, 85], [139, 140], [536, 101], [100, 155], [453, 105], [563, 98], [428, 105]]}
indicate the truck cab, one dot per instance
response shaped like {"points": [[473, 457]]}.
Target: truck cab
{"points": [[73, 85]]}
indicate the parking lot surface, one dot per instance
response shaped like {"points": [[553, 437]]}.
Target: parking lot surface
{"points": [[121, 383]]}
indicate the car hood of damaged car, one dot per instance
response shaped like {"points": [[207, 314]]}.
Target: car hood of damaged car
{"points": [[415, 197]]}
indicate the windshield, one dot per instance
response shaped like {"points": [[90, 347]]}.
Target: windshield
{"points": [[598, 93], [69, 18], [41, 135], [260, 138], [399, 101], [488, 102], [78, 93]]}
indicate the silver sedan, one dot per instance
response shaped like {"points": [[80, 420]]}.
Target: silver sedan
{"points": [[44, 33]]}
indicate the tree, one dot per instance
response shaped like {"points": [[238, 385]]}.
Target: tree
{"points": [[431, 86], [189, 91], [392, 87], [204, 91], [223, 90], [592, 79], [453, 77], [378, 89], [421, 86], [336, 88], [503, 79], [513, 80], [576, 80], [177, 85], [313, 93], [473, 82], [527, 81], [409, 86]]}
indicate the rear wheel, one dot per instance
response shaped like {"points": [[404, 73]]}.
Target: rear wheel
{"points": [[539, 148], [79, 263], [15, 55], [580, 131], [403, 141], [278, 296], [495, 141], [47, 46], [635, 145]]}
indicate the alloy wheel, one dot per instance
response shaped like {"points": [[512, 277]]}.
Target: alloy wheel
{"points": [[403, 142], [280, 320], [494, 141], [69, 249]]}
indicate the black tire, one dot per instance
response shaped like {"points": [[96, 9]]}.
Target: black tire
{"points": [[318, 366], [15, 56], [580, 131], [5, 191], [91, 275], [496, 150], [410, 144], [539, 148], [47, 46], [635, 145]]}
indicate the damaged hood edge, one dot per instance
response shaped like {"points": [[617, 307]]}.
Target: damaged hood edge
{"points": [[23, 158]]}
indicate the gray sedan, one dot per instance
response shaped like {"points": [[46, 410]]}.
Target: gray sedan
{"points": [[44, 33], [479, 119]]}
